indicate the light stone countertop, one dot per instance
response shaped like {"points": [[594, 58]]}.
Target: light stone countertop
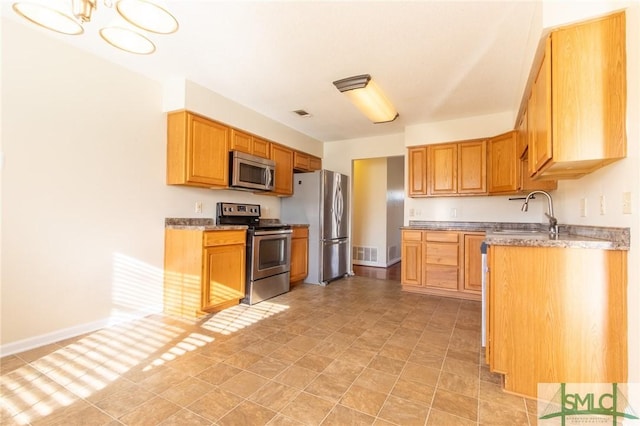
{"points": [[198, 224]]}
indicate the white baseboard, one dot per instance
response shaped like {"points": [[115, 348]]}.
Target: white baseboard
{"points": [[67, 333]]}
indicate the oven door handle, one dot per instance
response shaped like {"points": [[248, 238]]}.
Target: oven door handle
{"points": [[276, 232]]}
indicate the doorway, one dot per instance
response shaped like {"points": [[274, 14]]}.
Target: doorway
{"points": [[378, 215]]}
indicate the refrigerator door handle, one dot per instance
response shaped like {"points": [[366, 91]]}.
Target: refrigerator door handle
{"points": [[338, 206]]}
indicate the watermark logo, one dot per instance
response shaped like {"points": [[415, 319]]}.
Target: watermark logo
{"points": [[578, 404]]}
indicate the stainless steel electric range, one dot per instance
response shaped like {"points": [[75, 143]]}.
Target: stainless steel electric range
{"points": [[268, 250]]}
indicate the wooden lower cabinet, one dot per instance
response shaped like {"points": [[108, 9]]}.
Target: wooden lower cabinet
{"points": [[204, 271], [557, 315], [299, 254], [445, 263]]}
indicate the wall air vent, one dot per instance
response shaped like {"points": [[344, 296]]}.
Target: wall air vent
{"points": [[366, 254]]}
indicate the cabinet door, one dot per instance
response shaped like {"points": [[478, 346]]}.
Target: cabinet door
{"points": [[241, 141], [283, 157], [315, 163], [442, 164], [473, 263], [418, 171], [589, 91], [472, 167], [299, 254], [261, 147], [541, 151], [301, 161], [207, 152], [224, 275], [411, 266], [502, 161]]}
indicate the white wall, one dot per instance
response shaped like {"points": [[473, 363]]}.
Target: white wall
{"points": [[395, 207], [83, 192], [369, 213], [184, 94]]}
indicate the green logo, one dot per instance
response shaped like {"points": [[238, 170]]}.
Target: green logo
{"points": [[587, 403]]}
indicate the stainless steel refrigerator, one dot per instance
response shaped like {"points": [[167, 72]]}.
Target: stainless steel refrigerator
{"points": [[321, 199]]}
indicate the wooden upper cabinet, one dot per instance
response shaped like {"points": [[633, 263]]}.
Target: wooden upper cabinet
{"points": [[303, 162], [300, 161], [283, 158], [315, 163], [442, 167], [457, 168], [579, 99], [261, 147], [540, 147], [472, 167], [244, 142], [507, 168], [418, 171], [502, 163], [197, 151]]}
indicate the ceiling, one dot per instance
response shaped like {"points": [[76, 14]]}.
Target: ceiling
{"points": [[436, 60]]}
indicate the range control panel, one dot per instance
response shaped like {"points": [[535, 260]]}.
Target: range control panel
{"points": [[235, 209]]}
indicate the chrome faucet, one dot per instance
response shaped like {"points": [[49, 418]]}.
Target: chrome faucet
{"points": [[553, 222]]}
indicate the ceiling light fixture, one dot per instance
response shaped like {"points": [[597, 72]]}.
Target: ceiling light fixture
{"points": [[143, 14], [368, 98]]}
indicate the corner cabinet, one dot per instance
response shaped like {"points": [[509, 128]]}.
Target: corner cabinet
{"points": [[444, 263], [507, 165], [577, 103], [204, 271], [197, 151], [549, 326], [299, 254]]}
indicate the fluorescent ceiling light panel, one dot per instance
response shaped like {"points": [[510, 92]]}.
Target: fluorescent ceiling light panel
{"points": [[368, 98]]}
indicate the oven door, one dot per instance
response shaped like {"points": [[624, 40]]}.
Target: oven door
{"points": [[270, 253]]}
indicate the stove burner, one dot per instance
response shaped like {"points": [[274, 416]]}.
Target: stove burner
{"points": [[245, 214]]}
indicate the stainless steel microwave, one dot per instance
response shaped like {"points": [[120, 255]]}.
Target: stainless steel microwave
{"points": [[247, 171]]}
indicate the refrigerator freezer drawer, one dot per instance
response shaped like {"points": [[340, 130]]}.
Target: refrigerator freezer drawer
{"points": [[335, 259]]}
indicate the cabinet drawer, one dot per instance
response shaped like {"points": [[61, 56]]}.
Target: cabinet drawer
{"points": [[441, 276], [221, 238], [441, 237], [300, 232], [442, 254], [408, 235]]}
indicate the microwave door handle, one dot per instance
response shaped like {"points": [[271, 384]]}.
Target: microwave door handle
{"points": [[267, 176]]}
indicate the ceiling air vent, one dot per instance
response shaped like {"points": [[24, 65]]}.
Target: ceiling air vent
{"points": [[302, 113]]}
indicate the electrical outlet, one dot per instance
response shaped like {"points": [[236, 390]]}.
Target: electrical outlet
{"points": [[412, 212], [418, 212], [453, 212], [626, 203], [583, 207], [603, 205], [198, 207]]}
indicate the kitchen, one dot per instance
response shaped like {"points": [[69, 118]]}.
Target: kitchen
{"points": [[71, 209]]}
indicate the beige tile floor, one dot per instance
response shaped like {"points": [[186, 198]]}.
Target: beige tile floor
{"points": [[357, 352]]}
